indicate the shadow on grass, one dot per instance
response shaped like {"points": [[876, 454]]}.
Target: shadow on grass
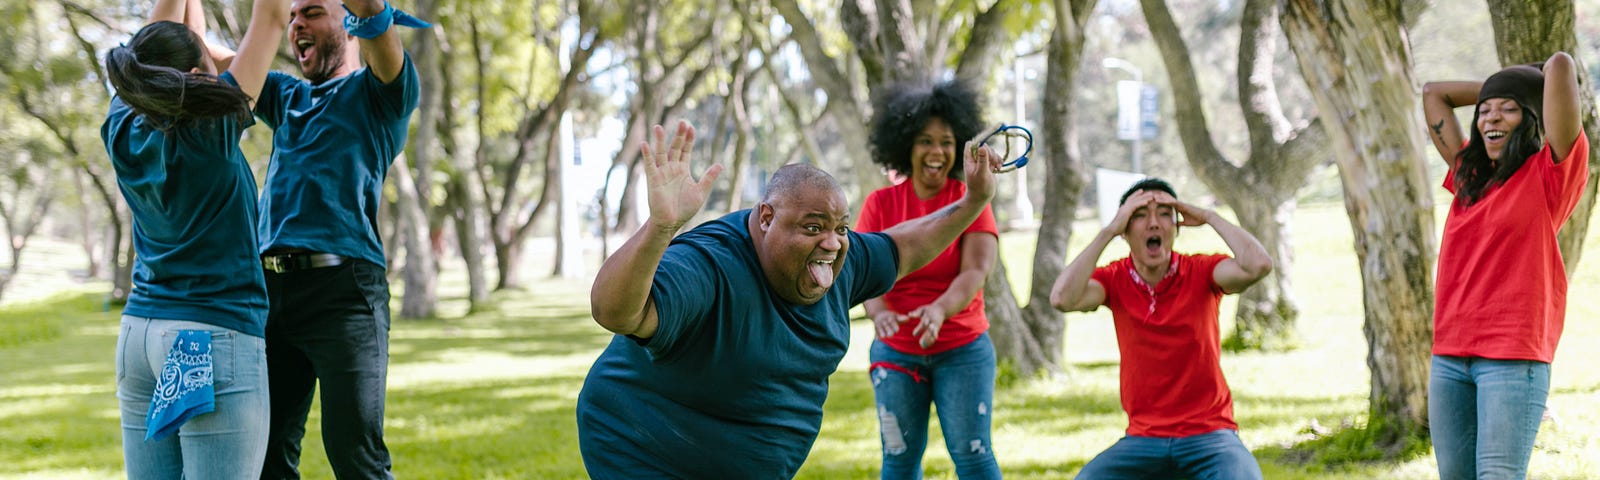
{"points": [[58, 405], [1367, 444]]}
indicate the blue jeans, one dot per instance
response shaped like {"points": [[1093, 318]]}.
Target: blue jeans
{"points": [[1484, 415], [961, 382], [329, 326], [226, 443], [1217, 455]]}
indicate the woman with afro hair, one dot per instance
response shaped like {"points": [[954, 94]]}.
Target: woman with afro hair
{"points": [[932, 345], [1500, 299]]}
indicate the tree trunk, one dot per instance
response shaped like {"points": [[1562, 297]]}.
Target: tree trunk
{"points": [[1267, 310], [464, 201], [421, 273], [86, 222], [1355, 59], [420, 298], [1038, 327], [507, 259], [1014, 343], [122, 279], [1530, 31], [1261, 191], [467, 205]]}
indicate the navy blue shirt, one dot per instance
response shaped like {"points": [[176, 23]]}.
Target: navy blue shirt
{"points": [[193, 199], [732, 383], [332, 144]]}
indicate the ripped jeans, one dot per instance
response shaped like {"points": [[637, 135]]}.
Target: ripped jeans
{"points": [[961, 382]]}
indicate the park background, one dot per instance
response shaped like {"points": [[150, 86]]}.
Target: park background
{"points": [[521, 174]]}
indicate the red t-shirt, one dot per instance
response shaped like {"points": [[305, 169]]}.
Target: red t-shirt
{"points": [[1172, 384], [1502, 290], [888, 207]]}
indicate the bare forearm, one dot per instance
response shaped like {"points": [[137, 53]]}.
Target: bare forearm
{"points": [[1247, 251], [960, 293], [874, 306], [167, 11], [921, 240], [1068, 291], [1439, 101], [622, 287], [385, 55], [194, 18]]}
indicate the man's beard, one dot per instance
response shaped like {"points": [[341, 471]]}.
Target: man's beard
{"points": [[330, 56]]}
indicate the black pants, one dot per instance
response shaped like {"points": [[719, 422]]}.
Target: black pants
{"points": [[329, 324]]}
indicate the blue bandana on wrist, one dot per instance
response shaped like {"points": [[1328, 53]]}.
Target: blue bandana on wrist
{"points": [[373, 26], [184, 389]]}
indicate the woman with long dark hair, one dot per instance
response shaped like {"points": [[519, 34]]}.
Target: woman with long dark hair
{"points": [[191, 360], [1501, 294], [932, 345]]}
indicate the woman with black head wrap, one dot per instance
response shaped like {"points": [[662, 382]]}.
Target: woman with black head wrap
{"points": [[1500, 297]]}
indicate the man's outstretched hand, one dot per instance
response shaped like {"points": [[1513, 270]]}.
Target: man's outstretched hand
{"points": [[675, 196]]}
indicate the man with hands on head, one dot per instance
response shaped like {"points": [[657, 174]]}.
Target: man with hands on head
{"points": [[726, 334], [1165, 306]]}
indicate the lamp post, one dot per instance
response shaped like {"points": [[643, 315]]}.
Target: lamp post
{"points": [[1113, 63], [1023, 204]]}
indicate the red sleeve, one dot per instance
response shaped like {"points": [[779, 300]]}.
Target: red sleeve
{"points": [[1570, 176], [1105, 275], [870, 211], [984, 224], [1207, 265]]}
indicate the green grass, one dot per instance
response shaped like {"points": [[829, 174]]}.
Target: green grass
{"points": [[491, 395]]}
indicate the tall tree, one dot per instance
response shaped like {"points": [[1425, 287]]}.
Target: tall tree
{"points": [[464, 200], [1355, 58], [895, 41], [1528, 31], [664, 60], [66, 96], [1031, 337], [511, 216], [26, 194], [1262, 189], [420, 298]]}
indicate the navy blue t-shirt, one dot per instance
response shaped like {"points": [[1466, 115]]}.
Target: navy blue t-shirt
{"points": [[732, 383], [332, 144], [193, 199]]}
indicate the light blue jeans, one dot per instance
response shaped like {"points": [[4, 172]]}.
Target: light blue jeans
{"points": [[228, 443], [1215, 455], [1484, 415], [961, 382]]}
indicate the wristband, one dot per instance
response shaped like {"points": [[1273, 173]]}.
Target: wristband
{"points": [[374, 26]]}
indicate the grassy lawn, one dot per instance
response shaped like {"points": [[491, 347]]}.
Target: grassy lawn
{"points": [[491, 395]]}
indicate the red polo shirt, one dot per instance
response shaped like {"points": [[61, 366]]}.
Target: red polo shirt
{"points": [[1172, 384]]}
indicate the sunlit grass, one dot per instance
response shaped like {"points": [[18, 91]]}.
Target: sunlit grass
{"points": [[491, 395]]}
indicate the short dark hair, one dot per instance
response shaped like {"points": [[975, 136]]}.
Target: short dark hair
{"points": [[904, 110], [1149, 183], [152, 75]]}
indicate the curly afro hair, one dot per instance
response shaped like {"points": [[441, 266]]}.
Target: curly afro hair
{"points": [[905, 109]]}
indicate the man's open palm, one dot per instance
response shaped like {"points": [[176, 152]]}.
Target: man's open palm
{"points": [[675, 196]]}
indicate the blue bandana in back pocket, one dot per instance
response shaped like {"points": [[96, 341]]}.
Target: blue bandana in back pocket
{"points": [[184, 389]]}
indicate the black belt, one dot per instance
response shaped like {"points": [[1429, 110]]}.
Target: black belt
{"points": [[289, 262]]}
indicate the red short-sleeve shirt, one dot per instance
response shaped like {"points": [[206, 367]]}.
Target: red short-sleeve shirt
{"points": [[1501, 290], [889, 206], [1172, 383]]}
